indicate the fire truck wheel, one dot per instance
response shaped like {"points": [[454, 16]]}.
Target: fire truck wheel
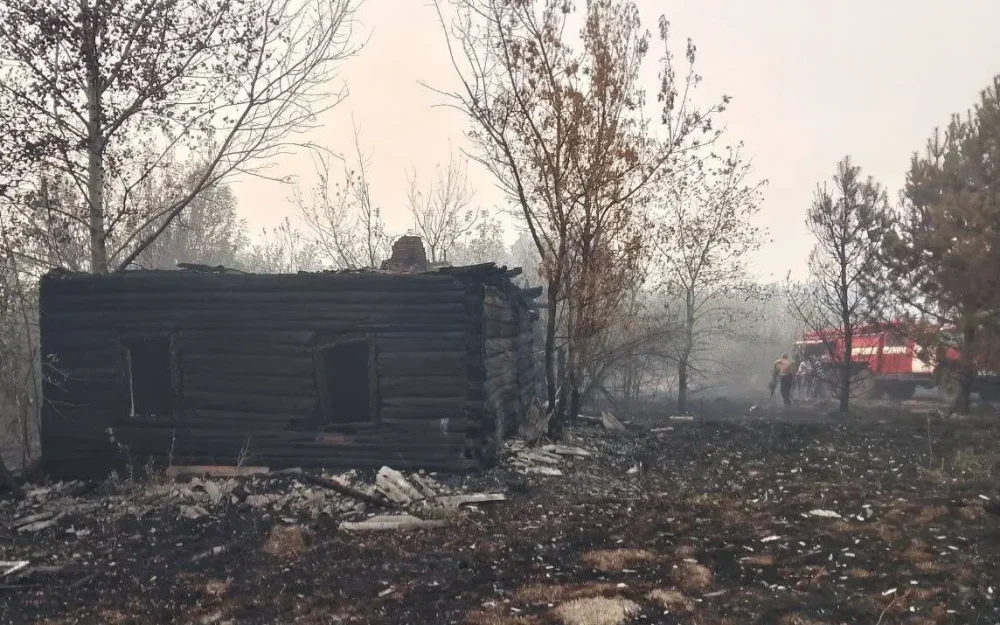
{"points": [[989, 394]]}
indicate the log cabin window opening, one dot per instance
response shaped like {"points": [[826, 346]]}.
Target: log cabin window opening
{"points": [[149, 370], [346, 379]]}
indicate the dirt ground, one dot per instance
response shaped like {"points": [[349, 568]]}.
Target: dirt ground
{"points": [[886, 518]]}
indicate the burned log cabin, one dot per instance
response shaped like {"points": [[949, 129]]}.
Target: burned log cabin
{"points": [[334, 369]]}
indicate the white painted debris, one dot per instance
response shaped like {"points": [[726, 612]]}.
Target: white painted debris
{"points": [[984, 497], [770, 539], [454, 501], [395, 487], [891, 591], [634, 470], [388, 591], [193, 512], [826, 514], [391, 522], [610, 422], [536, 455], [551, 471], [8, 568], [566, 450], [213, 490], [681, 418]]}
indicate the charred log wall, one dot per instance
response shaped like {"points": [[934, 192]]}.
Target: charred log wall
{"points": [[509, 383], [244, 365]]}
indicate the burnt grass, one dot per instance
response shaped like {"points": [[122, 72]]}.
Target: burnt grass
{"points": [[917, 541]]}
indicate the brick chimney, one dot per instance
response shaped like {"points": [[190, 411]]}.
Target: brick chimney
{"points": [[408, 256]]}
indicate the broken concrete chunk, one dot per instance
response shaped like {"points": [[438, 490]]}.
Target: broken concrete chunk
{"points": [[391, 522], [566, 450], [552, 471], [258, 501], [193, 512], [610, 422], [426, 485], [395, 487], [213, 490]]}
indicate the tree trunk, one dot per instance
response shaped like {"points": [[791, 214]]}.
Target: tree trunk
{"points": [[846, 374], [95, 153], [550, 348], [966, 372], [682, 386]]}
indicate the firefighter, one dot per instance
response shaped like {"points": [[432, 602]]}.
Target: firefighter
{"points": [[784, 373]]}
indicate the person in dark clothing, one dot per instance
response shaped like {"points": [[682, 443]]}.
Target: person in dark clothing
{"points": [[784, 372]]}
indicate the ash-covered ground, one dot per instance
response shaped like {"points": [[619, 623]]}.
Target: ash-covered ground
{"points": [[792, 517]]}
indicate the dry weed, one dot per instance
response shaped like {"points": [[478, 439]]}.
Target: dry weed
{"points": [[693, 577], [496, 617], [596, 611], [759, 560], [857, 573], [673, 600], [554, 593], [286, 541], [616, 559]]}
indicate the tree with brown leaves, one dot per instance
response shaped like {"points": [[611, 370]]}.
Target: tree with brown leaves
{"points": [[562, 129]]}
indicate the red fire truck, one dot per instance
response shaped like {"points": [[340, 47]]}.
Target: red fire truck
{"points": [[891, 364]]}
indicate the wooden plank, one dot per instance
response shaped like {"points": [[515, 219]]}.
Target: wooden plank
{"points": [[248, 402], [241, 364], [261, 384]]}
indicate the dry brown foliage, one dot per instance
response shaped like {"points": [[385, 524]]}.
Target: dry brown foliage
{"points": [[596, 611], [693, 577], [673, 600], [616, 559], [287, 541]]}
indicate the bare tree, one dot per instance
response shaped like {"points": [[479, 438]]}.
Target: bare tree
{"points": [[840, 296], [100, 95], [563, 133], [210, 231], [442, 213], [704, 242], [345, 222], [483, 244], [282, 250]]}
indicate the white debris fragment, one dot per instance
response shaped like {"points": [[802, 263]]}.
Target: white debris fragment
{"points": [[566, 450], [891, 591], [193, 512], [826, 514], [551, 471], [395, 487], [770, 539], [392, 522]]}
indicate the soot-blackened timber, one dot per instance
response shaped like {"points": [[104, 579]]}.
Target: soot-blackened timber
{"points": [[334, 369]]}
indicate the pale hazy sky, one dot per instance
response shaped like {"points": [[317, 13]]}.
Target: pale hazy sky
{"points": [[811, 82]]}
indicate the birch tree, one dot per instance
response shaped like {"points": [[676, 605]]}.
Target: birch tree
{"points": [[99, 95], [443, 212], [705, 240]]}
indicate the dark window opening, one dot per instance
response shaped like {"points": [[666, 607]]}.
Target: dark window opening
{"points": [[346, 381], [150, 381]]}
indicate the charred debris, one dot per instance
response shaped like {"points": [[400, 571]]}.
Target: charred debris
{"points": [[410, 366]]}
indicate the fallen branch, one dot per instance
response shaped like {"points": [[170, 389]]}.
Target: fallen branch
{"points": [[344, 489]]}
